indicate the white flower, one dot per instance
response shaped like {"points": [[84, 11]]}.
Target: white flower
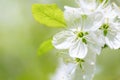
{"points": [[89, 6], [111, 26], [116, 19], [80, 34], [70, 68]]}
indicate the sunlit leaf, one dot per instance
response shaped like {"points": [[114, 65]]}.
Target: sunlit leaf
{"points": [[45, 47], [49, 15]]}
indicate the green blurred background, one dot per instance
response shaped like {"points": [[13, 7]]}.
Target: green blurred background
{"points": [[20, 37]]}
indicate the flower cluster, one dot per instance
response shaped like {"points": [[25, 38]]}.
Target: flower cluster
{"points": [[91, 27]]}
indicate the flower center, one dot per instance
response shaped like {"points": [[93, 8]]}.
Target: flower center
{"points": [[80, 61], [105, 28], [81, 35]]}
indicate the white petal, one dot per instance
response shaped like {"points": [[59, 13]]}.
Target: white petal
{"points": [[66, 57], [70, 69], [72, 16], [109, 12], [64, 71], [115, 26], [93, 21], [113, 40], [116, 8], [95, 42], [63, 39], [87, 5], [78, 49], [95, 48]]}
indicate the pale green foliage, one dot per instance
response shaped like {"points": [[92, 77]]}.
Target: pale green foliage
{"points": [[100, 1], [45, 47], [49, 15]]}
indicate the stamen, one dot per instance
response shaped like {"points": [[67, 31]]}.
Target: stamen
{"points": [[105, 28], [80, 34], [105, 32], [84, 17], [80, 61], [84, 40]]}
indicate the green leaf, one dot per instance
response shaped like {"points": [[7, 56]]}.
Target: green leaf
{"points": [[45, 47], [48, 14]]}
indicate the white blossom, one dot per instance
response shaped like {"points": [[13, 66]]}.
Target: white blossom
{"points": [[69, 68], [110, 29], [80, 33], [90, 27]]}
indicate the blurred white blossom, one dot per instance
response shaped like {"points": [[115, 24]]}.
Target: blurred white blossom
{"points": [[110, 29], [70, 68]]}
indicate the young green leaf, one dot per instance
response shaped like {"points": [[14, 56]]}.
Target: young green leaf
{"points": [[48, 14], [45, 47]]}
